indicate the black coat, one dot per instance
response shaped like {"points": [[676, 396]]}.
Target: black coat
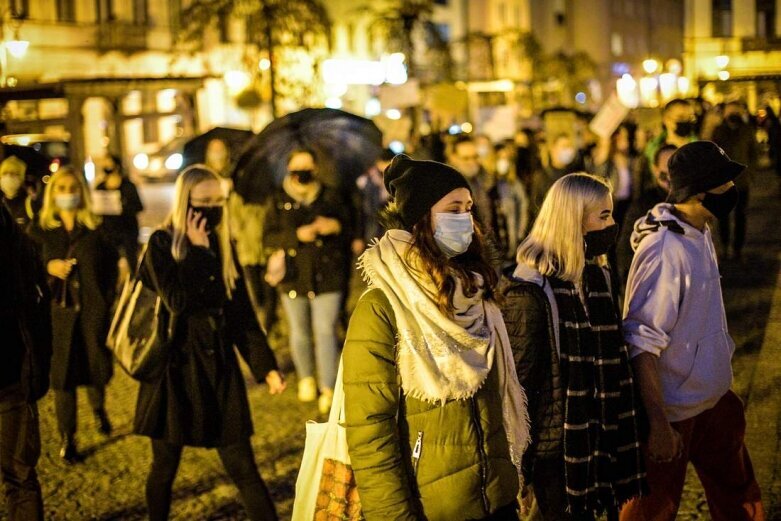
{"points": [[123, 229], [313, 268], [529, 321], [24, 314], [201, 399], [80, 327]]}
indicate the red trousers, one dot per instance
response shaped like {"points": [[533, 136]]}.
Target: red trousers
{"points": [[713, 442]]}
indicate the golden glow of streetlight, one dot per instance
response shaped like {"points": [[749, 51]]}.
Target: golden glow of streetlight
{"points": [[264, 64], [17, 48], [236, 81], [626, 88], [722, 61], [650, 66], [667, 85], [723, 75], [683, 85]]}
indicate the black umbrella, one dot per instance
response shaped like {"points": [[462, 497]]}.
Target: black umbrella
{"points": [[195, 149], [346, 146]]}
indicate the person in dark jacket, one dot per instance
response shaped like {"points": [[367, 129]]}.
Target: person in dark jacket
{"points": [[13, 192], [201, 399], [25, 325], [120, 212], [435, 417], [738, 139], [81, 264], [309, 222], [565, 333], [643, 202]]}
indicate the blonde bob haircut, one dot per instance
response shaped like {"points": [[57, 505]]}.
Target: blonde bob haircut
{"points": [[49, 217], [555, 245], [177, 222]]}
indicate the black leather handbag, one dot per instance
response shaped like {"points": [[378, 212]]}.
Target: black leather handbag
{"points": [[141, 331]]}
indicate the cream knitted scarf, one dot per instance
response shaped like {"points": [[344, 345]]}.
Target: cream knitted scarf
{"points": [[440, 357]]}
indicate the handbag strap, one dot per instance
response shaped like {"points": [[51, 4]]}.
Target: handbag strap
{"points": [[337, 405]]}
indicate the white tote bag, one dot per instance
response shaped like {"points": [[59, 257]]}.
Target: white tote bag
{"points": [[325, 488]]}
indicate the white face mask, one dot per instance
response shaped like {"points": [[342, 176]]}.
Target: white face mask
{"points": [[565, 156], [453, 232], [10, 184], [67, 201]]}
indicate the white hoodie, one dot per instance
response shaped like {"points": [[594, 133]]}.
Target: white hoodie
{"points": [[674, 310]]}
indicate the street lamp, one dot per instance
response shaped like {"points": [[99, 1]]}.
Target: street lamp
{"points": [[16, 47]]}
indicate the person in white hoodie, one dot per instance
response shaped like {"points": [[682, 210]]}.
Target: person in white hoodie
{"points": [[676, 327]]}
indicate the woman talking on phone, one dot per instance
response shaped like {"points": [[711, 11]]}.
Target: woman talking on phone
{"points": [[201, 398]]}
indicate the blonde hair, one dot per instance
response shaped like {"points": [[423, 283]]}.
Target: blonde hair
{"points": [[177, 221], [49, 217], [555, 245]]}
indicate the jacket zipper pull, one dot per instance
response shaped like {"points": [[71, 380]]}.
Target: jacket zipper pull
{"points": [[416, 453]]}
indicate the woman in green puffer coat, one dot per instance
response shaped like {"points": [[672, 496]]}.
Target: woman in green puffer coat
{"points": [[436, 419]]}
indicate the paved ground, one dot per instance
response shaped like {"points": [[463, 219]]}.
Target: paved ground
{"points": [[109, 484]]}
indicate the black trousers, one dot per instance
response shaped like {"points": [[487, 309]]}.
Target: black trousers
{"points": [[20, 448], [65, 406], [550, 491], [739, 213], [239, 463]]}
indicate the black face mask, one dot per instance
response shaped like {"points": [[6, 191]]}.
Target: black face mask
{"points": [[720, 205], [734, 120], [303, 176], [684, 128], [212, 214], [599, 242]]}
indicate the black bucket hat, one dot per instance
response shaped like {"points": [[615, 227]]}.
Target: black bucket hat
{"points": [[697, 167]]}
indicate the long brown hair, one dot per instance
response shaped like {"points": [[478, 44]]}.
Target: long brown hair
{"points": [[426, 256]]}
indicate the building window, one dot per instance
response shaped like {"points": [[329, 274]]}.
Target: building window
{"points": [[66, 11], [766, 19], [19, 9], [140, 12], [722, 18], [616, 44], [104, 11], [443, 30]]}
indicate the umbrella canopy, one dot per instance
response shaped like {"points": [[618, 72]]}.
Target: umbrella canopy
{"points": [[346, 146], [195, 149]]}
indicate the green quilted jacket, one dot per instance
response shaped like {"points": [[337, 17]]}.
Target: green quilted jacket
{"points": [[414, 459]]}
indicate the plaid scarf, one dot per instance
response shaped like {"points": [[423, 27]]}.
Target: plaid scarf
{"points": [[602, 459]]}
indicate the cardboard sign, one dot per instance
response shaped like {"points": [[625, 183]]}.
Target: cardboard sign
{"points": [[609, 117], [107, 202]]}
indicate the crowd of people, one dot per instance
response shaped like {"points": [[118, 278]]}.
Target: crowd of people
{"points": [[489, 372]]}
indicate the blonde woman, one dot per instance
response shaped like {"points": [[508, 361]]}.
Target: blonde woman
{"points": [[570, 355], [201, 399], [81, 264]]}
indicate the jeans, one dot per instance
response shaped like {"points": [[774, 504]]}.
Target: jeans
{"points": [[550, 491], [316, 317], [65, 407], [20, 448], [239, 463]]}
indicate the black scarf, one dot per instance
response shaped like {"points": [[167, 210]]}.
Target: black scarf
{"points": [[603, 463]]}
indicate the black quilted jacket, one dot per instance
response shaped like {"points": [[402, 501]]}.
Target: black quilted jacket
{"points": [[529, 321]]}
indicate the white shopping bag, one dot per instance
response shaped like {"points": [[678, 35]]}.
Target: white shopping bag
{"points": [[325, 488]]}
